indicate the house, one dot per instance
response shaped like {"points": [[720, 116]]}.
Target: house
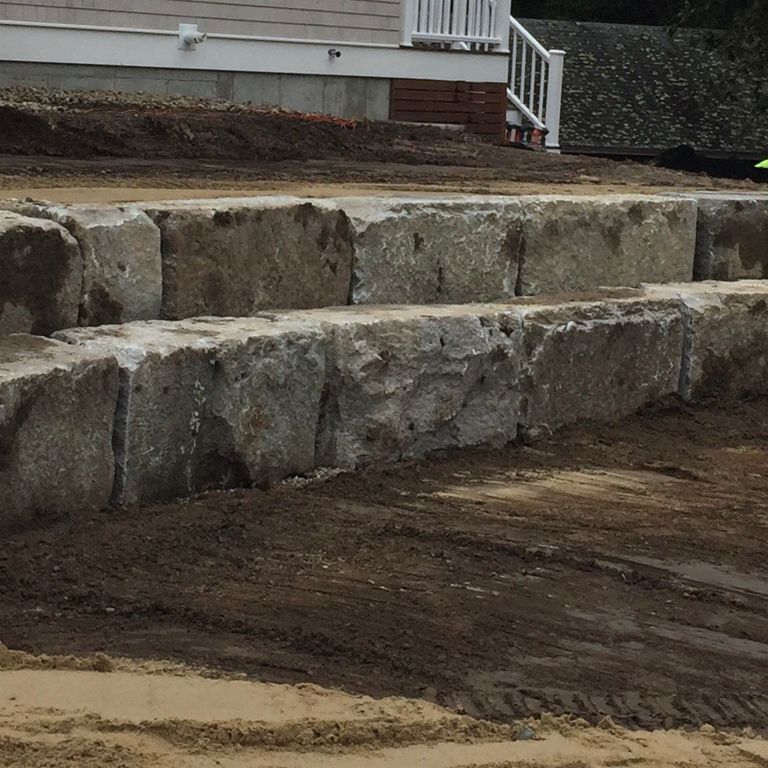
{"points": [[431, 61]]}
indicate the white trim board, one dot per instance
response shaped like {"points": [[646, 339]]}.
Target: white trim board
{"points": [[65, 44]]}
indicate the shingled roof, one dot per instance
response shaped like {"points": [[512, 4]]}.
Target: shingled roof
{"points": [[639, 90]]}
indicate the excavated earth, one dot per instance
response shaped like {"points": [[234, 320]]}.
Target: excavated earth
{"points": [[615, 570], [137, 143]]}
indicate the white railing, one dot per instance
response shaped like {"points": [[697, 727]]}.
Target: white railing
{"points": [[467, 24], [536, 82]]}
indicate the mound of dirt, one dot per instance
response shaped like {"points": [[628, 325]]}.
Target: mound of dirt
{"points": [[99, 124], [109, 138]]}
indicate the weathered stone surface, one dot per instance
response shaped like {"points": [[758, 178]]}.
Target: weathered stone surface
{"points": [[122, 269], [210, 403], [434, 251], [41, 272], [574, 244], [726, 349], [57, 405], [732, 237], [235, 257], [598, 361], [405, 381]]}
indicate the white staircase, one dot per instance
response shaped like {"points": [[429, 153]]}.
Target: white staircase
{"points": [[535, 88], [534, 95]]}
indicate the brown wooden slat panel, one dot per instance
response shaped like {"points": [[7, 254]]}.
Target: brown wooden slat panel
{"points": [[410, 94], [480, 107], [446, 98], [412, 105], [425, 85], [458, 85], [476, 97], [488, 115], [413, 88], [431, 117]]}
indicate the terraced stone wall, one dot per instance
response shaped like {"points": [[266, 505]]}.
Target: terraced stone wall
{"points": [[359, 336]]}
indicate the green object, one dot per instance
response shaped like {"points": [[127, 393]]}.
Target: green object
{"points": [[764, 164]]}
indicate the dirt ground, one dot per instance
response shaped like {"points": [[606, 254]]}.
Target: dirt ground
{"points": [[613, 571], [55, 712], [105, 146], [617, 570]]}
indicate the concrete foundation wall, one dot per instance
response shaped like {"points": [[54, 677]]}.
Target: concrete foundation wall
{"points": [[354, 98]]}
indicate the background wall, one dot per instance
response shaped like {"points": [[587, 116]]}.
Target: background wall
{"points": [[640, 88], [370, 21]]}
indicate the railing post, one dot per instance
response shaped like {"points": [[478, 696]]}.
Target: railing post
{"points": [[554, 99], [502, 31], [408, 12]]}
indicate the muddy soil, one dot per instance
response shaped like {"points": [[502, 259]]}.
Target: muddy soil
{"points": [[616, 570], [54, 139]]}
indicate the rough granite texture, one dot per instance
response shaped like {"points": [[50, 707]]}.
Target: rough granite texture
{"points": [[222, 402], [433, 251], [236, 257], [598, 361], [732, 241], [726, 348], [57, 404], [41, 273], [402, 382], [210, 403], [120, 248], [572, 244]]}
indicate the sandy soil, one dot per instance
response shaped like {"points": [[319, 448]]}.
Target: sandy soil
{"points": [[618, 571], [88, 189], [110, 180], [57, 713]]}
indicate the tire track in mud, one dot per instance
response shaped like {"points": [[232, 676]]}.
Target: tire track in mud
{"points": [[632, 709], [652, 610]]}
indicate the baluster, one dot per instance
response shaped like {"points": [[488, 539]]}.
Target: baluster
{"points": [[423, 18], [523, 60], [492, 6], [541, 89], [533, 78], [461, 17], [447, 16], [513, 79], [554, 97], [470, 17]]}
